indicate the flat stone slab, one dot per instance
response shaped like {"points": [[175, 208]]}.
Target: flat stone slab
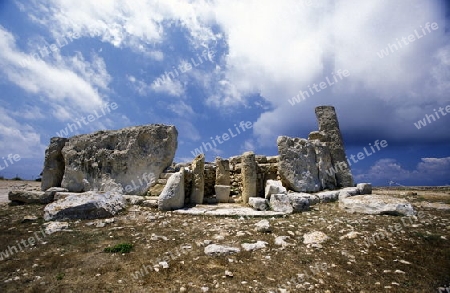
{"points": [[433, 205], [227, 209], [376, 204]]}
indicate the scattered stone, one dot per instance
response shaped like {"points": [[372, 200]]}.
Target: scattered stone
{"points": [[29, 218], [258, 203], [274, 187], [172, 197], [350, 235], [316, 237], [375, 204], [281, 203], [281, 241], [254, 246], [229, 274], [134, 199], [53, 227], [214, 249], [29, 197], [88, 205], [263, 226], [328, 196], [289, 203], [164, 264], [364, 188]]}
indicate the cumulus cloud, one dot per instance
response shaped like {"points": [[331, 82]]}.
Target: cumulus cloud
{"points": [[66, 84], [388, 170]]}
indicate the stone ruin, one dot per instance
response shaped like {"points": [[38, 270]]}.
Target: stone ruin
{"points": [[96, 175]]}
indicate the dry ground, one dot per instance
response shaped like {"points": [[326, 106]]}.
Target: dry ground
{"points": [[414, 258]]}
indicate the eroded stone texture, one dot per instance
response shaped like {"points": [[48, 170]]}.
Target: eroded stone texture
{"points": [[297, 164], [172, 196], [88, 205], [324, 164], [329, 125], [130, 156], [53, 172], [198, 180], [222, 171], [249, 176]]}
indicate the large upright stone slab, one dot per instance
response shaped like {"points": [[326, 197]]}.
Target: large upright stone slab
{"points": [[53, 172], [222, 171], [130, 156], [198, 180], [297, 164], [172, 196], [249, 176], [327, 177], [329, 125]]}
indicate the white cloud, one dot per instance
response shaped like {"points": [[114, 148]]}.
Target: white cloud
{"points": [[171, 87], [387, 170], [70, 83], [17, 138]]}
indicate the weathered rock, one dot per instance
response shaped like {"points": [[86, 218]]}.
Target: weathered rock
{"points": [[249, 178], [324, 163], [328, 124], [315, 237], [214, 249], [29, 218], [29, 197], [297, 164], [53, 227], [376, 205], [281, 241], [311, 198], [347, 192], [133, 199], [88, 205], [274, 187], [298, 202], [222, 172], [198, 180], [263, 226], [254, 246], [281, 203], [328, 196], [53, 172], [172, 196], [222, 193], [130, 156], [364, 188], [258, 203]]}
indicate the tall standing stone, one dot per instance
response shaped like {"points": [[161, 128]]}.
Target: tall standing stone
{"points": [[249, 176], [324, 165], [53, 172], [328, 124], [222, 172], [198, 179]]}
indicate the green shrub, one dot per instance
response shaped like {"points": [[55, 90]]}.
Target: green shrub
{"points": [[121, 248]]}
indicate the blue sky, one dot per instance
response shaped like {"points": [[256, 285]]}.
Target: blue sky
{"points": [[206, 66]]}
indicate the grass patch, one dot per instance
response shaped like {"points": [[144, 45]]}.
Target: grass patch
{"points": [[119, 248], [60, 276]]}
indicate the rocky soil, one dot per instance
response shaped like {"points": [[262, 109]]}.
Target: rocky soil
{"points": [[322, 250]]}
